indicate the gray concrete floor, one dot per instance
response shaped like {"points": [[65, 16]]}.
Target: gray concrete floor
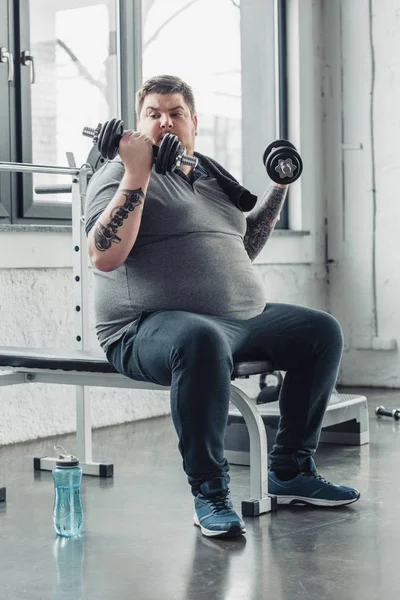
{"points": [[139, 542]]}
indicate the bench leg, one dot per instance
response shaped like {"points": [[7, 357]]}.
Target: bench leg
{"points": [[259, 502], [83, 442], [2, 494], [83, 425]]}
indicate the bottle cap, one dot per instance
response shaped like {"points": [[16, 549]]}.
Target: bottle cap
{"points": [[64, 459]]}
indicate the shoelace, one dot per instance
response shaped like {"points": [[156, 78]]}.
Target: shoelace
{"points": [[219, 502], [319, 477]]}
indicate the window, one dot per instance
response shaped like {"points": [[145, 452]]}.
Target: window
{"points": [[74, 63], [65, 78]]}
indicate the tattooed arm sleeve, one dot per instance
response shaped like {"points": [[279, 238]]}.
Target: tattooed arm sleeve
{"points": [[261, 221], [105, 235]]}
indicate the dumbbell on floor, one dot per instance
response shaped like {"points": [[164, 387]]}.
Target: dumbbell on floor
{"points": [[381, 411], [283, 163], [168, 157]]}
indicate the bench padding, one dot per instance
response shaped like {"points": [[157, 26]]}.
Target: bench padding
{"points": [[91, 361]]}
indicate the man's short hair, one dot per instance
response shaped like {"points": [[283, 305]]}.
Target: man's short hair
{"points": [[165, 84]]}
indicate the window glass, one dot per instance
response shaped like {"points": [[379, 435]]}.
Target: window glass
{"points": [[73, 45], [199, 40]]}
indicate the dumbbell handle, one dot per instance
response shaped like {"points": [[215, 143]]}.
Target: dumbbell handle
{"points": [[380, 411], [183, 158], [93, 132]]}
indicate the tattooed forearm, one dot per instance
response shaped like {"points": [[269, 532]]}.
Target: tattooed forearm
{"points": [[104, 236], [261, 221]]}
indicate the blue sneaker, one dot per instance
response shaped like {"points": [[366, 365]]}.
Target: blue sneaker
{"points": [[214, 512], [310, 488]]}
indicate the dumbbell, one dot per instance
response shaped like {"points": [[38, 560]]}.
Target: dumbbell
{"points": [[380, 411], [283, 164], [168, 157], [270, 386]]}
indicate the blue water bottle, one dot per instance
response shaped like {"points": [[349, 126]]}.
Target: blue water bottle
{"points": [[67, 509]]}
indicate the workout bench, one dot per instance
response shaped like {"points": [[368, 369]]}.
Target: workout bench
{"points": [[81, 366], [90, 368]]}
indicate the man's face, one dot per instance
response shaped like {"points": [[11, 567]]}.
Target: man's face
{"points": [[168, 113]]}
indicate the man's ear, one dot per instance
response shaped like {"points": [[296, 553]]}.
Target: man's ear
{"points": [[196, 123]]}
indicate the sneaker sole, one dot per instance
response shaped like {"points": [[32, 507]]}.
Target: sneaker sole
{"points": [[311, 501], [233, 531]]}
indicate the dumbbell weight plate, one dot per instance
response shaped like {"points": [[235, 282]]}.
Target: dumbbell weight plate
{"points": [[274, 163], [160, 163], [109, 138], [165, 155], [170, 152], [173, 153], [99, 144], [277, 144]]}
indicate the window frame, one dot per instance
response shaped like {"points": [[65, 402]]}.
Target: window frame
{"points": [[6, 93], [282, 114], [28, 211]]}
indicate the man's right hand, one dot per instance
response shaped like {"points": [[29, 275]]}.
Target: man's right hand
{"points": [[136, 152]]}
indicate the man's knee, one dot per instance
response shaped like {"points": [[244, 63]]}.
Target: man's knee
{"points": [[204, 341], [328, 329]]}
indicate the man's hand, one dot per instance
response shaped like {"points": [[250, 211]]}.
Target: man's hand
{"points": [[136, 152]]}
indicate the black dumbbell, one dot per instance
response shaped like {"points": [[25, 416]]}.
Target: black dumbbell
{"points": [[270, 386], [168, 157], [283, 164], [381, 411]]}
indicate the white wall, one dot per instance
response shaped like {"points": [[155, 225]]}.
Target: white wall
{"points": [[36, 311], [344, 78], [361, 84]]}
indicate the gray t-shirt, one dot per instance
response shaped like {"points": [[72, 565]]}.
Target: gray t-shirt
{"points": [[189, 254]]}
